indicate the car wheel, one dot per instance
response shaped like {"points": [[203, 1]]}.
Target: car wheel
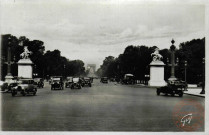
{"points": [[34, 93], [158, 92], [181, 94], [72, 87], [13, 94], [173, 94], [23, 93]]}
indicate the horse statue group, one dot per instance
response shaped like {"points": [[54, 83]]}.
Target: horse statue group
{"points": [[26, 53], [156, 55]]}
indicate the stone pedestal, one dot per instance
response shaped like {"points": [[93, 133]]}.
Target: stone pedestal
{"points": [[25, 68], [157, 74], [9, 78]]}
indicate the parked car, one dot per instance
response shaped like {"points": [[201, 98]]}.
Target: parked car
{"points": [[25, 86], [104, 80], [76, 83], [87, 82], [69, 82], [57, 83], [3, 85], [128, 79], [39, 82], [172, 88], [112, 79]]}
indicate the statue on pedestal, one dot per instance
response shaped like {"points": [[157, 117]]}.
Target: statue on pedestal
{"points": [[26, 53], [25, 69], [156, 55], [157, 70]]}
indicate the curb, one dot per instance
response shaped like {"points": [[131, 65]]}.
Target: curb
{"points": [[195, 95]]}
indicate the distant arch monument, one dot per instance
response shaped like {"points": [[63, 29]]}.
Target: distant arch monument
{"points": [[92, 70]]}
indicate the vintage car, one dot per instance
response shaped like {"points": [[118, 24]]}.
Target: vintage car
{"points": [[128, 79], [68, 82], [112, 79], [39, 82], [12, 85], [25, 86], [104, 80], [86, 82], [3, 85], [172, 88], [76, 83], [57, 83]]}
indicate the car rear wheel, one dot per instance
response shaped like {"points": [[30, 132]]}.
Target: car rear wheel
{"points": [[13, 94], [181, 94], [158, 92], [34, 93]]}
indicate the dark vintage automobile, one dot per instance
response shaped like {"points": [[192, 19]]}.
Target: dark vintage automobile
{"points": [[86, 82], [12, 85], [25, 86], [128, 79], [39, 82], [68, 82], [77, 82], [104, 80], [57, 83], [172, 88], [3, 85]]}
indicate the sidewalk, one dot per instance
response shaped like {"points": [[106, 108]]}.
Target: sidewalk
{"points": [[194, 91]]}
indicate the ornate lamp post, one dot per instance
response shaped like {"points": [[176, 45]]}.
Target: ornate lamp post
{"points": [[203, 77], [185, 74], [64, 71], [172, 64], [9, 76], [35, 74]]}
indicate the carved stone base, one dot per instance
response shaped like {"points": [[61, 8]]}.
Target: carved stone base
{"points": [[25, 69], [9, 78], [157, 74]]}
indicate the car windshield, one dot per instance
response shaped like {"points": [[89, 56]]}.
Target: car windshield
{"points": [[69, 78], [25, 81], [75, 79], [37, 79], [55, 79]]}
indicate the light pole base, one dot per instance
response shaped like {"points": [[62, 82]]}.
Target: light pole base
{"points": [[172, 78], [202, 92]]}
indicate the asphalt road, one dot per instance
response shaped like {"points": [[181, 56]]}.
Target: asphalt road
{"points": [[102, 107]]}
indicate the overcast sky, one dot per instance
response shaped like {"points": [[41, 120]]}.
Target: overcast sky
{"points": [[92, 30]]}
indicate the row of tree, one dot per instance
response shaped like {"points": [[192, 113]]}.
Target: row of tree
{"points": [[136, 59], [49, 63]]}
